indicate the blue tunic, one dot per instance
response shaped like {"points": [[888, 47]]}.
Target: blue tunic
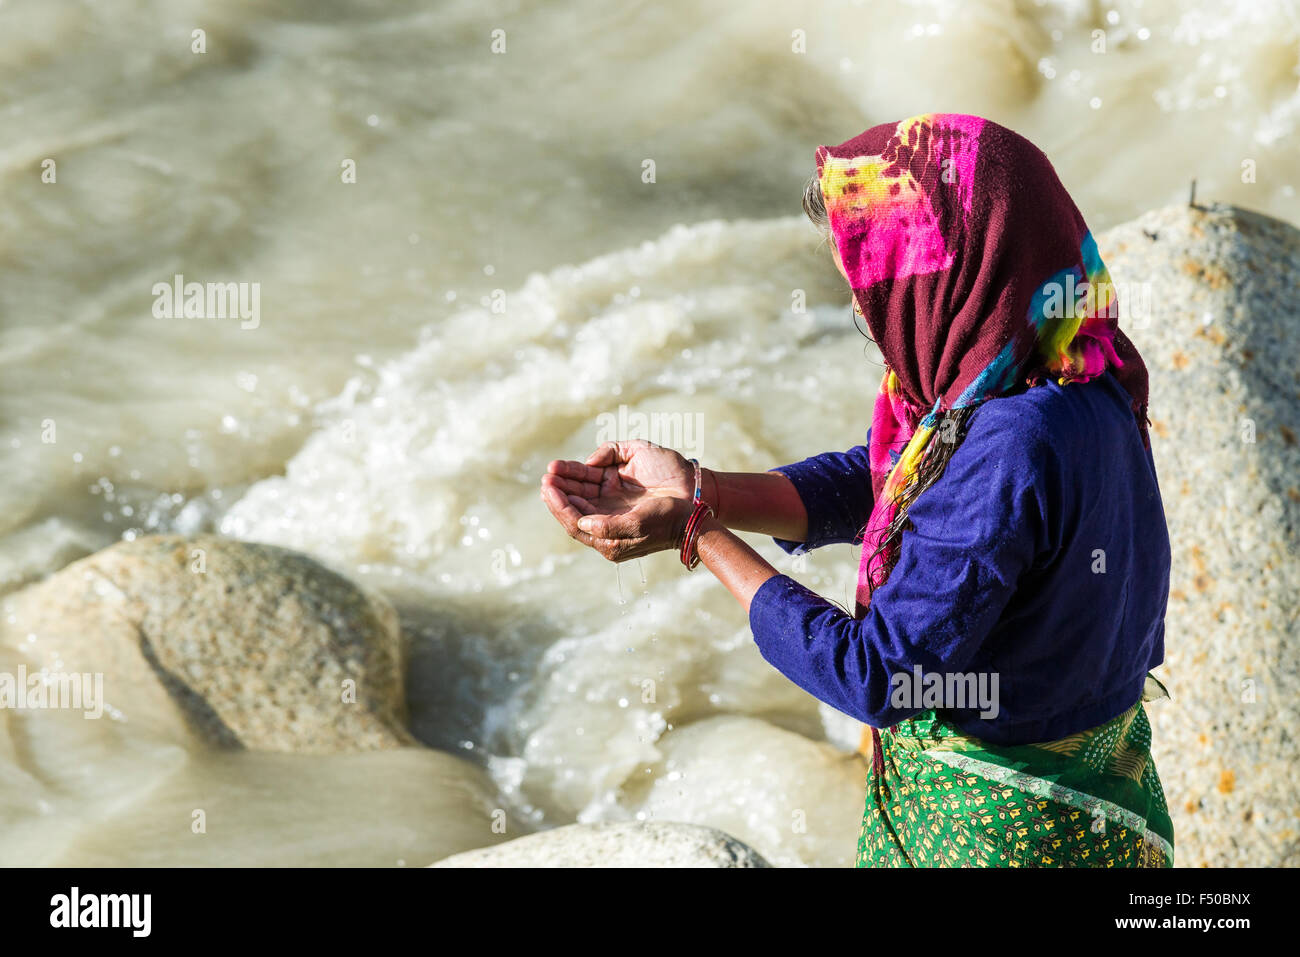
{"points": [[1040, 556]]}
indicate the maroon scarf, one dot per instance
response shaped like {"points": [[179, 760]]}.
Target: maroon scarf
{"points": [[977, 277]]}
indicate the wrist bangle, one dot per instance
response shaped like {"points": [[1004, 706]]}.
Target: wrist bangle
{"points": [[690, 554]]}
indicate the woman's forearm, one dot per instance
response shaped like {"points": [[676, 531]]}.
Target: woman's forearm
{"points": [[733, 562], [763, 502]]}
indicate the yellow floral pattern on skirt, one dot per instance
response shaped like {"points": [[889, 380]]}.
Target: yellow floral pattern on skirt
{"points": [[937, 797]]}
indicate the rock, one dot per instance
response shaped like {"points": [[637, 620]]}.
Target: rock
{"points": [[615, 845], [241, 644], [1221, 342], [797, 802]]}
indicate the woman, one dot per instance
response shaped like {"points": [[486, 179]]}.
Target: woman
{"points": [[1015, 560]]}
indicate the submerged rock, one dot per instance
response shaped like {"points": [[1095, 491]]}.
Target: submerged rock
{"points": [[615, 845], [243, 644], [1221, 339]]}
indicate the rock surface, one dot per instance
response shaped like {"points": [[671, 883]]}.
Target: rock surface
{"points": [[797, 802], [615, 845], [1222, 342], [249, 645]]}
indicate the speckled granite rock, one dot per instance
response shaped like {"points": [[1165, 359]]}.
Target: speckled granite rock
{"points": [[1222, 341], [251, 645], [615, 845]]}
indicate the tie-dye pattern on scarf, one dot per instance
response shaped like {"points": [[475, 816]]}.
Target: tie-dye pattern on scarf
{"points": [[976, 275]]}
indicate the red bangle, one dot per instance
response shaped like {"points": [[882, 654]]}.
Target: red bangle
{"points": [[690, 557]]}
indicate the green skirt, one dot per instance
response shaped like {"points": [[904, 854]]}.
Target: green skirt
{"points": [[937, 797]]}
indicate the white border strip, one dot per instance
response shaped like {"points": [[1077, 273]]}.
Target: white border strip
{"points": [[1052, 792]]}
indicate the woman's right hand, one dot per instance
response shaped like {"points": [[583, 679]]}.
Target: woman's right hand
{"points": [[658, 470], [631, 497]]}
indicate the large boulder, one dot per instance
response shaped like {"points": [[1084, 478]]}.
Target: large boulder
{"points": [[1222, 342], [237, 644], [615, 845]]}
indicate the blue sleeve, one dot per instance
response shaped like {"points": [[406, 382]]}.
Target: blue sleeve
{"points": [[977, 530], [835, 488]]}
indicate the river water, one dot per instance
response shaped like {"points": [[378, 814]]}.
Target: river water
{"points": [[482, 236]]}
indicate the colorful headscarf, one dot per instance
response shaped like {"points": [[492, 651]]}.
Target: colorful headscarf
{"points": [[976, 275]]}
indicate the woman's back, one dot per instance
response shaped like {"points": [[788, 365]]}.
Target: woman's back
{"points": [[1090, 605], [1036, 566]]}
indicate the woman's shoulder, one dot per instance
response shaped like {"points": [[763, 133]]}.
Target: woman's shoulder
{"points": [[1053, 412], [1021, 420], [1053, 430]]}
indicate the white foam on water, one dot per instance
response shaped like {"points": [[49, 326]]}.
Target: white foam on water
{"points": [[431, 473]]}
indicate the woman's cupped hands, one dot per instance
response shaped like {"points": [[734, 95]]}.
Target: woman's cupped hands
{"points": [[627, 500]]}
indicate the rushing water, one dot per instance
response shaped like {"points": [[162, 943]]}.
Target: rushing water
{"points": [[501, 286]]}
